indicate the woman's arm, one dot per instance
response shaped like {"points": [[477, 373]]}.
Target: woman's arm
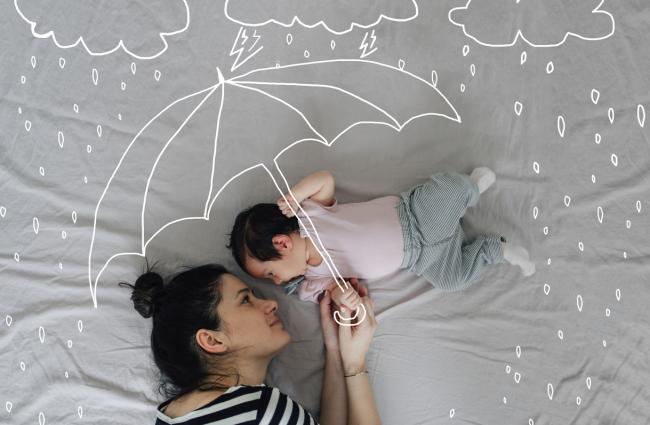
{"points": [[318, 186], [362, 409], [333, 405]]}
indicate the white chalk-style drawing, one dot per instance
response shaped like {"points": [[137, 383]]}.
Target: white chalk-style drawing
{"points": [[364, 44], [63, 40], [240, 45], [309, 14], [359, 100], [500, 34]]}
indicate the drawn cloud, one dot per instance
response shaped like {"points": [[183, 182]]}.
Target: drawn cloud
{"points": [[336, 16], [104, 26], [548, 23]]}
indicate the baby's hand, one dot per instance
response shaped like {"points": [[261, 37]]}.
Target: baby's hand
{"points": [[349, 298], [284, 206]]}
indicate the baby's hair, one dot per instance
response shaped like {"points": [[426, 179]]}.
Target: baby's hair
{"points": [[254, 230]]}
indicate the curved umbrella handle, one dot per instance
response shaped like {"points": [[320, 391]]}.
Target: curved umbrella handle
{"points": [[347, 321]]}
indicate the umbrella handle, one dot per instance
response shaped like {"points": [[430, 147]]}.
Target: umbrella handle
{"points": [[347, 321]]}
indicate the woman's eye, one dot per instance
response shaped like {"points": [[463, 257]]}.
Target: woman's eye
{"points": [[246, 299]]}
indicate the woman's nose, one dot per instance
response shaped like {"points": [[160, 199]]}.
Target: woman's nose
{"points": [[270, 306]]}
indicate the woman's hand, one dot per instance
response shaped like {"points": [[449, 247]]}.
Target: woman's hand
{"points": [[328, 325], [354, 341]]}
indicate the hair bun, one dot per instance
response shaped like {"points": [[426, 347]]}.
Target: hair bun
{"points": [[147, 293]]}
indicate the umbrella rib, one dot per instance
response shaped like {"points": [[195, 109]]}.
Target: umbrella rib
{"points": [[327, 86]]}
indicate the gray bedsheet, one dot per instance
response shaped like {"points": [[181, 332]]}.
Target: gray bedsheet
{"points": [[551, 95]]}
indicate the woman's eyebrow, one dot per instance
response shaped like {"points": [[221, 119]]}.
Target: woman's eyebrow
{"points": [[241, 291]]}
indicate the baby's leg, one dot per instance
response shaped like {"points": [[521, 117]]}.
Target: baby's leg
{"points": [[518, 256], [483, 177]]}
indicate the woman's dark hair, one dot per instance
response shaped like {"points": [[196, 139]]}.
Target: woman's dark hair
{"points": [[179, 309], [254, 230]]}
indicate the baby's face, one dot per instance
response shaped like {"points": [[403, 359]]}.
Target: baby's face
{"points": [[281, 271]]}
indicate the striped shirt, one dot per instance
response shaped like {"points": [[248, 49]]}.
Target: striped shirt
{"points": [[245, 405]]}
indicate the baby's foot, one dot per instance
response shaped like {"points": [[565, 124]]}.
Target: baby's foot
{"points": [[518, 256], [483, 177]]}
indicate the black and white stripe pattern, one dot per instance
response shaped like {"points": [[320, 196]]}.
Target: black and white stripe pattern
{"points": [[244, 405]]}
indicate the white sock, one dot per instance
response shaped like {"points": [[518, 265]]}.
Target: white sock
{"points": [[483, 177], [518, 256]]}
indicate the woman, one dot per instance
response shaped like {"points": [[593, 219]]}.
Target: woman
{"points": [[213, 339]]}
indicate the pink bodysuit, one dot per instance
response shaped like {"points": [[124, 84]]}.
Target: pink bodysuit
{"points": [[364, 240]]}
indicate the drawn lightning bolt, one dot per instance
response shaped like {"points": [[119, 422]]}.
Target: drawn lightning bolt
{"points": [[239, 47], [364, 45]]}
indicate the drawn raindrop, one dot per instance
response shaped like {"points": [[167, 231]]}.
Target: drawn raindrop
{"points": [[35, 225], [66, 374], [604, 343], [61, 63], [8, 320], [610, 115], [550, 67], [452, 412], [536, 167], [517, 377], [579, 302], [95, 76], [123, 86], [332, 44], [156, 75], [614, 160], [69, 343], [535, 212], [41, 334], [472, 70], [628, 224], [89, 148], [640, 115], [548, 261], [618, 294], [80, 411], [578, 400], [289, 39], [306, 54], [561, 126], [523, 57], [133, 68], [625, 255], [75, 107], [638, 206], [401, 64], [518, 351], [581, 246], [74, 217], [119, 117], [20, 110], [545, 230], [547, 288], [23, 80], [99, 130], [588, 382], [41, 171], [80, 325], [518, 107], [508, 369], [60, 265], [567, 200], [608, 312], [60, 139], [16, 257], [28, 125], [462, 88], [465, 50], [597, 138], [64, 234], [85, 179], [3, 212], [434, 77], [593, 178], [531, 421], [549, 391], [599, 214], [8, 406], [33, 61], [41, 418], [560, 334], [505, 400], [595, 95], [22, 366]]}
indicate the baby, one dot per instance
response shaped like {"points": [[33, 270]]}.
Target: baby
{"points": [[418, 231]]}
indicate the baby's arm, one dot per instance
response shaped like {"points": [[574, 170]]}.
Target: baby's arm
{"points": [[318, 186]]}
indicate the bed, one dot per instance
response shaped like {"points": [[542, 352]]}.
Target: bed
{"points": [[109, 108]]}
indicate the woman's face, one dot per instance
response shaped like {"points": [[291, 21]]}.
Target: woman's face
{"points": [[250, 322]]}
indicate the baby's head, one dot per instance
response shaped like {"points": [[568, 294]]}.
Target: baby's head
{"points": [[267, 245]]}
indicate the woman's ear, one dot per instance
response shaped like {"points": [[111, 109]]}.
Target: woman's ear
{"points": [[282, 243], [215, 342]]}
